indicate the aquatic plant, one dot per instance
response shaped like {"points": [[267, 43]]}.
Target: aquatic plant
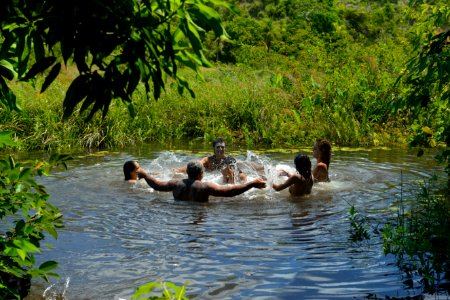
{"points": [[169, 291], [419, 237], [359, 225]]}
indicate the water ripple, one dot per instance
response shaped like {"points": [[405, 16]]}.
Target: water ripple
{"points": [[259, 245]]}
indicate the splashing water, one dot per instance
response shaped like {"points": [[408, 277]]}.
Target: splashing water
{"points": [[56, 291]]}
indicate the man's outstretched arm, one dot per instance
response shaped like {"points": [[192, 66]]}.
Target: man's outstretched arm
{"points": [[234, 190], [162, 186]]}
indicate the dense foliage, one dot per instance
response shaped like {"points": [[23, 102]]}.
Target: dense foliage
{"points": [[427, 79], [115, 45], [356, 72], [292, 71], [419, 238], [300, 70], [27, 217]]}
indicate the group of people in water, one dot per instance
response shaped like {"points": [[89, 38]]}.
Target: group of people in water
{"points": [[194, 189]]}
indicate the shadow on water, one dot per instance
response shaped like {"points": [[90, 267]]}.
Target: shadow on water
{"points": [[259, 245]]}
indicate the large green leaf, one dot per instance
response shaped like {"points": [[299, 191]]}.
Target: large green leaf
{"points": [[48, 266], [5, 139]]}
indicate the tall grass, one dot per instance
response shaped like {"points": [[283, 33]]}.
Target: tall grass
{"points": [[344, 97]]}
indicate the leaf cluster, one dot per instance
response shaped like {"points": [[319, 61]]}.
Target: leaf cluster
{"points": [[427, 77], [419, 238], [26, 217], [115, 45], [169, 291]]}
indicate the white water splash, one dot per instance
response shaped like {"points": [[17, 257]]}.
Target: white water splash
{"points": [[54, 292]]}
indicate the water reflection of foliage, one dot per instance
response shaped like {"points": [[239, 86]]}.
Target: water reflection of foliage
{"points": [[419, 238]]}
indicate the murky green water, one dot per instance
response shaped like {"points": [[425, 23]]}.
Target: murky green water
{"points": [[259, 245]]}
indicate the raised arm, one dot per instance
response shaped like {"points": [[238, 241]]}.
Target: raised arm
{"points": [[234, 190], [182, 169], [162, 186], [290, 181]]}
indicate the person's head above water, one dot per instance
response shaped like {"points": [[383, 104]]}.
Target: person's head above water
{"points": [[219, 147], [303, 165], [129, 170], [195, 170], [322, 151]]}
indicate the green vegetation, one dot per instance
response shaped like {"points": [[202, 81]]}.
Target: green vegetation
{"points": [[419, 237], [169, 291], [359, 73], [359, 225], [240, 104], [294, 70], [27, 217], [115, 45]]}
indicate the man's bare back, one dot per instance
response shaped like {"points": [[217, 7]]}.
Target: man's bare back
{"points": [[194, 189]]}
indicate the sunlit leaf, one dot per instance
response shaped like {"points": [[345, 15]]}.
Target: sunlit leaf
{"points": [[48, 266], [7, 70], [6, 140]]}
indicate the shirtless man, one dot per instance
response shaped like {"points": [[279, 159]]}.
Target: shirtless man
{"points": [[194, 189], [219, 161], [301, 182], [322, 152]]}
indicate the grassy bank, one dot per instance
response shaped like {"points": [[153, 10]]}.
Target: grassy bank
{"points": [[281, 102]]}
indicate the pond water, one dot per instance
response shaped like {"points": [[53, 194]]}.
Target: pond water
{"points": [[259, 245]]}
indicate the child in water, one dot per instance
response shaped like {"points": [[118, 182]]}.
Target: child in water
{"points": [[130, 169], [301, 182], [322, 152]]}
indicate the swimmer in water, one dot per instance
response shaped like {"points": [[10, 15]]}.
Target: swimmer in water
{"points": [[194, 189], [130, 171], [322, 152], [301, 182], [226, 164]]}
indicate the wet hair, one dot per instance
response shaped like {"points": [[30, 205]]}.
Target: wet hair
{"points": [[194, 168], [129, 167], [217, 141], [303, 165], [324, 148]]}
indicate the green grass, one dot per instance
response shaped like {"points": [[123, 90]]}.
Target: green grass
{"points": [[287, 106]]}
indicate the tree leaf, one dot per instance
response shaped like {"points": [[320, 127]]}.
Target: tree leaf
{"points": [[48, 266], [25, 245], [6, 45], [78, 90], [54, 72], [5, 139], [39, 67], [7, 70], [38, 44]]}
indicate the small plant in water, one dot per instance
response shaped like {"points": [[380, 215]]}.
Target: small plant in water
{"points": [[169, 291], [359, 226]]}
